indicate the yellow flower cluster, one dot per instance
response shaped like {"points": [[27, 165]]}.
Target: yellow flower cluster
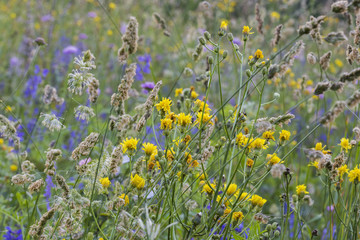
{"points": [[129, 144], [258, 201], [301, 190], [137, 181], [105, 182]]}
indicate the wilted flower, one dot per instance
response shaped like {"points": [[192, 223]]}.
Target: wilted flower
{"points": [[51, 122]]}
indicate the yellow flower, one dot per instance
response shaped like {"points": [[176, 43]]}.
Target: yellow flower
{"points": [[256, 200], [224, 24], [238, 216], [8, 109], [13, 167], [112, 5], [249, 163], [284, 135], [268, 135], [137, 181], [246, 30], [227, 211], [105, 182], [129, 144], [273, 159], [314, 164], [320, 147], [301, 190], [149, 149], [241, 140], [258, 143], [183, 120], [109, 32], [345, 144], [194, 94], [209, 188], [258, 54], [178, 91], [166, 124], [164, 105], [243, 196], [225, 200], [250, 58], [343, 169], [206, 118], [200, 106], [125, 197], [338, 62], [231, 189], [354, 175], [1, 141], [275, 15], [172, 116]]}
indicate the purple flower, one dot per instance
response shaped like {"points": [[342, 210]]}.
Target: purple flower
{"points": [[47, 18], [83, 36], [147, 87], [92, 14], [70, 50], [237, 41], [12, 235], [143, 66], [47, 194], [84, 161]]}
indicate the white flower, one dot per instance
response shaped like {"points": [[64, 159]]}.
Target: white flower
{"points": [[51, 122], [84, 113]]}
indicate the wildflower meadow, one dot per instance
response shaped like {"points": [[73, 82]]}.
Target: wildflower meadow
{"points": [[179, 119]]}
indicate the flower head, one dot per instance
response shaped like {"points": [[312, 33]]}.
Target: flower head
{"points": [[237, 216], [209, 188], [105, 182], [178, 91], [268, 135], [345, 144], [231, 189], [137, 181], [273, 159], [164, 105], [183, 120], [284, 135], [129, 144], [166, 124], [125, 197], [256, 200], [224, 24], [301, 190], [149, 149], [246, 30], [343, 169], [258, 54], [354, 175]]}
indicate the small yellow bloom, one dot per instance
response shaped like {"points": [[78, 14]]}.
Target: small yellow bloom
{"points": [[249, 163], [109, 32], [194, 94], [166, 124], [301, 190], [238, 216], [164, 105], [354, 175], [258, 54], [199, 106], [224, 24], [137, 181], [105, 182], [209, 188], [149, 149], [250, 58], [284, 135], [8, 109], [112, 5], [275, 15], [231, 189], [246, 30], [339, 63], [345, 144], [1, 141], [183, 120], [178, 92], [129, 144], [268, 135], [13, 167], [343, 169], [125, 197], [258, 144], [273, 159], [206, 118], [314, 164], [256, 200]]}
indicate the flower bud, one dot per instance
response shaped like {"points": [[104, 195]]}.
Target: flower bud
{"points": [[230, 37], [202, 40], [207, 35]]}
